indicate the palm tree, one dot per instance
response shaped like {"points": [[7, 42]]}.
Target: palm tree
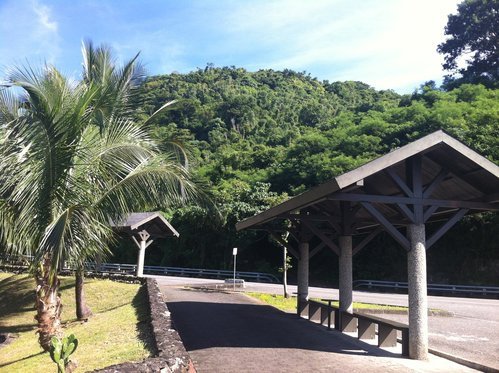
{"points": [[117, 88], [66, 170]]}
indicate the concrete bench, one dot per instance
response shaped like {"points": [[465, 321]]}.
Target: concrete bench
{"points": [[362, 324], [387, 331]]}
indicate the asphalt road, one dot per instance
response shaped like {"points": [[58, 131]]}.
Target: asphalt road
{"points": [[472, 333]]}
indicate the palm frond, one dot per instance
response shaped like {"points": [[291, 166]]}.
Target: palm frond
{"points": [[166, 106], [72, 159]]}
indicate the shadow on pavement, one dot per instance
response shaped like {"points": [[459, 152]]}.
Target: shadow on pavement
{"points": [[205, 325]]}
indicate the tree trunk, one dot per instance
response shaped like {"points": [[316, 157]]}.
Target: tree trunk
{"points": [[83, 312], [48, 305], [285, 273]]}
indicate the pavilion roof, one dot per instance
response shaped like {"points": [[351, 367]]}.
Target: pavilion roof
{"points": [[153, 222], [453, 177]]}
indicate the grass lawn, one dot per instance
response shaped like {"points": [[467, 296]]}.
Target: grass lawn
{"points": [[289, 304], [118, 331]]}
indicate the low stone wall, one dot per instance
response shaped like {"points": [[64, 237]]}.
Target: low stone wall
{"points": [[171, 355]]}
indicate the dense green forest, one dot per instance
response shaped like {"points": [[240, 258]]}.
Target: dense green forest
{"points": [[256, 138]]}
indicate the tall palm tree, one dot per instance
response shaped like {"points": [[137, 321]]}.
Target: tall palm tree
{"points": [[116, 96], [65, 174]]}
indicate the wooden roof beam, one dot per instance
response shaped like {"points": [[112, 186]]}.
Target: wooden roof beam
{"points": [[316, 231], [444, 228], [316, 250], [394, 232], [400, 183], [435, 183], [456, 173], [366, 240], [474, 205]]}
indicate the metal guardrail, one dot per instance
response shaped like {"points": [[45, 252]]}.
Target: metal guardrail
{"points": [[157, 270], [185, 272], [486, 291]]}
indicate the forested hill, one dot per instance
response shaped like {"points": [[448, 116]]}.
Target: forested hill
{"points": [[256, 137], [295, 131]]}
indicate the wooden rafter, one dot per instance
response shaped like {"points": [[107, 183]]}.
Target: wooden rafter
{"points": [[400, 183], [366, 240], [435, 183], [406, 211], [323, 237], [430, 210], [316, 249], [445, 227], [310, 217], [458, 174], [475, 205], [394, 232]]}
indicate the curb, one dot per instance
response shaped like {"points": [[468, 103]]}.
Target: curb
{"points": [[460, 360]]}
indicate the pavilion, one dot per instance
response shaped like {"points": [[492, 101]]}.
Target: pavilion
{"points": [[434, 180], [144, 228]]}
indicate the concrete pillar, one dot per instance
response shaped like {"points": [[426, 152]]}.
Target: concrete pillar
{"points": [[345, 274], [140, 260], [418, 301], [303, 271]]}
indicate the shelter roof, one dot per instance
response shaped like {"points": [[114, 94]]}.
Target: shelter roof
{"points": [[453, 177], [155, 224]]}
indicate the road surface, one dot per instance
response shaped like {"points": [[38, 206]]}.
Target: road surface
{"points": [[472, 333], [231, 332]]}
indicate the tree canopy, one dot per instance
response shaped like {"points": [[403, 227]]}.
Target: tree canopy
{"points": [[282, 132], [472, 47]]}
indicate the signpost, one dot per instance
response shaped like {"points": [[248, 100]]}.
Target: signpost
{"points": [[234, 252]]}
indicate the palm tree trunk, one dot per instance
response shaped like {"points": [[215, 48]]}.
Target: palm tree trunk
{"points": [[83, 312], [48, 305]]}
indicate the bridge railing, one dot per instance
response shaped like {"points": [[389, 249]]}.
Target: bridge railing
{"points": [[438, 289], [183, 272]]}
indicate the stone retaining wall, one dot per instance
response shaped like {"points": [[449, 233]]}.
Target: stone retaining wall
{"points": [[171, 355]]}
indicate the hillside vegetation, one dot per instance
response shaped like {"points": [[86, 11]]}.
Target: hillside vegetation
{"points": [[257, 138]]}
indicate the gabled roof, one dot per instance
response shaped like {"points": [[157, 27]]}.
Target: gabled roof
{"points": [[472, 177], [153, 222]]}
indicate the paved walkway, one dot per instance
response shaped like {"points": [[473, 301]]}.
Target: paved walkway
{"points": [[234, 333]]}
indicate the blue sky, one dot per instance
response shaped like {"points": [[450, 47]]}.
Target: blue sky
{"points": [[389, 44]]}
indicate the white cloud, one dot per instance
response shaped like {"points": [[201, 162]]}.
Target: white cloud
{"points": [[385, 43], [388, 44], [43, 13], [32, 33]]}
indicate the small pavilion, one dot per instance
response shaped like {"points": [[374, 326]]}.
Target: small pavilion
{"points": [[435, 181], [144, 228]]}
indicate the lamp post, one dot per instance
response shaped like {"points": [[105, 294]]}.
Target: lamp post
{"points": [[234, 252]]}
